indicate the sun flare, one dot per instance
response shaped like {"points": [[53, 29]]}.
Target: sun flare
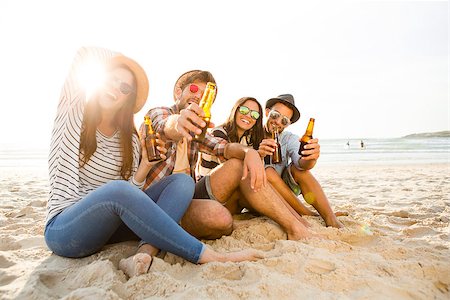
{"points": [[91, 76]]}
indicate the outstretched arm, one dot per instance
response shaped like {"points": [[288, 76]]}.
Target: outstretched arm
{"points": [[188, 121]]}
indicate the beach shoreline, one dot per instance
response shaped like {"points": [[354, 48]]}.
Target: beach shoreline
{"points": [[395, 244]]}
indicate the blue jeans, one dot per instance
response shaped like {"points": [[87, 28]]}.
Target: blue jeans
{"points": [[85, 227]]}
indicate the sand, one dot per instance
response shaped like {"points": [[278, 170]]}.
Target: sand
{"points": [[395, 245]]}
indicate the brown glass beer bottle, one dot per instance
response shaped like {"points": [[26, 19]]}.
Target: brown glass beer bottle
{"points": [[150, 140], [208, 97], [307, 136], [276, 156]]}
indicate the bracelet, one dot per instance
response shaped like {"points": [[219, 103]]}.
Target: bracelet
{"points": [[133, 181]]}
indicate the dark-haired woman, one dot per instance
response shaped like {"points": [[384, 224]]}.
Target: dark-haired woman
{"points": [[244, 125]]}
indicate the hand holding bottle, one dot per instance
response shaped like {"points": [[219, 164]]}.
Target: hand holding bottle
{"points": [[311, 150], [276, 155], [160, 146], [209, 95], [267, 147]]}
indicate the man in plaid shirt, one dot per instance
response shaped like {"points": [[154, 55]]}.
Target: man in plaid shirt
{"points": [[240, 176]]}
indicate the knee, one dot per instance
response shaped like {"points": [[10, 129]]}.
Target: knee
{"points": [[224, 221], [184, 183], [119, 186], [219, 219]]}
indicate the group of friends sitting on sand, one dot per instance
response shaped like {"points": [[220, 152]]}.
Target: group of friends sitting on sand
{"points": [[104, 189]]}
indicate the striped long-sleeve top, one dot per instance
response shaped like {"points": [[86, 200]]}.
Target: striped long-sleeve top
{"points": [[68, 181]]}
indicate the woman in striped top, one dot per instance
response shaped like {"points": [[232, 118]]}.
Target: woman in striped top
{"points": [[96, 174]]}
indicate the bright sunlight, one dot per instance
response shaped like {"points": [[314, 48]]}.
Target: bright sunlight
{"points": [[91, 75]]}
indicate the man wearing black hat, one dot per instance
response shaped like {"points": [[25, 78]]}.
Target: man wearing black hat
{"points": [[291, 176]]}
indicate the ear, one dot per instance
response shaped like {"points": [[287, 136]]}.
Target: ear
{"points": [[178, 91], [267, 112]]}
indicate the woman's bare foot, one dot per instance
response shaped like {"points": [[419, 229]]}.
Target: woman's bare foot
{"points": [[135, 265], [210, 255]]}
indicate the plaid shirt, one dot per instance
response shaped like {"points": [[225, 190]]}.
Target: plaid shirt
{"points": [[211, 145]]}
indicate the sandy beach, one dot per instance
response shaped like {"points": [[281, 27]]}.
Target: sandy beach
{"points": [[395, 245]]}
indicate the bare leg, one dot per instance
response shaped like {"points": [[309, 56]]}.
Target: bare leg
{"points": [[282, 188], [292, 210], [268, 203], [209, 219], [225, 179], [313, 194]]}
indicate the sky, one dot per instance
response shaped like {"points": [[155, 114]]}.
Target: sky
{"points": [[362, 69]]}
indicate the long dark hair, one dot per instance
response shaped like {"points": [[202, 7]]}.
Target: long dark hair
{"points": [[254, 135], [125, 124]]}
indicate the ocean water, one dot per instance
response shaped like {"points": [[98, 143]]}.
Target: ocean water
{"points": [[333, 151], [393, 150]]}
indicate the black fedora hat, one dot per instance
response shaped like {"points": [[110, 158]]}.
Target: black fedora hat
{"points": [[288, 100]]}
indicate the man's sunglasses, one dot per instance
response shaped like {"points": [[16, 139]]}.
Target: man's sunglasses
{"points": [[285, 121], [245, 111], [193, 88], [123, 87]]}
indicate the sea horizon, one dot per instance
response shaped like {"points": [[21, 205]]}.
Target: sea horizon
{"points": [[333, 151]]}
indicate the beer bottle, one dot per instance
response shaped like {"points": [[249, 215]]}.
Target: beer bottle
{"points": [[306, 137], [208, 97], [276, 156], [150, 140]]}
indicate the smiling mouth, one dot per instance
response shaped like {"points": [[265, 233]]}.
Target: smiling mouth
{"points": [[111, 96], [273, 126], [245, 121], [193, 101]]}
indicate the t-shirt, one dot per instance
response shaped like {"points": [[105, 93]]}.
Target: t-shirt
{"points": [[181, 159]]}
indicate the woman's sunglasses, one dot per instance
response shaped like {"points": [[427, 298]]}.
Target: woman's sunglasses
{"points": [[285, 121], [245, 111], [123, 87]]}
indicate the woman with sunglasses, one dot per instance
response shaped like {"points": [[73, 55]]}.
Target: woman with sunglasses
{"points": [[97, 175], [244, 125]]}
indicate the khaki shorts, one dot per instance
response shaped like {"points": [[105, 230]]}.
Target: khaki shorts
{"points": [[286, 175]]}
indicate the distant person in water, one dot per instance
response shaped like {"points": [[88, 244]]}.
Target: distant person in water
{"points": [[362, 144]]}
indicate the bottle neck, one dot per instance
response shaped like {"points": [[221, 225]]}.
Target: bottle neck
{"points": [[310, 129], [208, 99]]}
